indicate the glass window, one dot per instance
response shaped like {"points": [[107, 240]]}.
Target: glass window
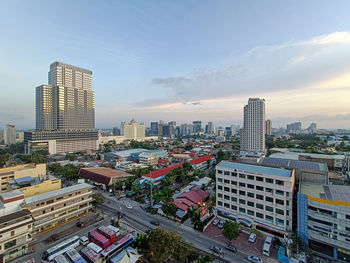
{"points": [[250, 195], [268, 180], [259, 215], [226, 205], [234, 174], [250, 212], [219, 187], [226, 197], [251, 204], [250, 186], [269, 218], [260, 206], [242, 184], [242, 210], [219, 171], [220, 180], [241, 201], [226, 173], [233, 199], [280, 221], [234, 182], [242, 176], [269, 190], [260, 197], [233, 207], [269, 208], [279, 192], [226, 189], [226, 181], [279, 201], [220, 195], [259, 188], [260, 179], [219, 203], [279, 211], [250, 177], [234, 191], [269, 199], [242, 192], [279, 182]]}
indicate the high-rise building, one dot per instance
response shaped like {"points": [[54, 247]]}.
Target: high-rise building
{"points": [[253, 132], [197, 126], [312, 128], [294, 127], [10, 134], [154, 129], [268, 126], [65, 112], [210, 128], [234, 129], [134, 131]]}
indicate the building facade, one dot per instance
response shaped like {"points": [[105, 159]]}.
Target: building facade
{"points": [[135, 131], [268, 126], [253, 131], [294, 127], [154, 129], [255, 195], [197, 126], [9, 134]]}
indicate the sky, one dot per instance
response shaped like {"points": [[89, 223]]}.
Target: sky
{"points": [[182, 60]]}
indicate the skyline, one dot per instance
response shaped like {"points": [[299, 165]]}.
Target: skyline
{"points": [[181, 61]]}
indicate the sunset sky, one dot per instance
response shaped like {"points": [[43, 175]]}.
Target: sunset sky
{"points": [[183, 60]]}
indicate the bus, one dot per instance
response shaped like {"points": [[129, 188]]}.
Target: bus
{"points": [[108, 233], [97, 249], [117, 247], [61, 248], [74, 256], [115, 229], [61, 259], [90, 255], [98, 239]]}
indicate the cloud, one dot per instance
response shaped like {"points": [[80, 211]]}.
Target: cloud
{"points": [[293, 65]]}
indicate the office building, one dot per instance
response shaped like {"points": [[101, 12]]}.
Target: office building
{"points": [[257, 196], [324, 219], [235, 129], [253, 132], [268, 126], [312, 128], [134, 131], [154, 129], [197, 126], [294, 127], [10, 134], [228, 131], [65, 112], [210, 128]]}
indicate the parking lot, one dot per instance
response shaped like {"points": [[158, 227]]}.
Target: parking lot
{"points": [[242, 244]]}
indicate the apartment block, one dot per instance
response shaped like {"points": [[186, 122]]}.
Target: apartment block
{"points": [[255, 195], [58, 207], [324, 219]]}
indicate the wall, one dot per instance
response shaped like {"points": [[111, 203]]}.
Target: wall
{"points": [[44, 187]]}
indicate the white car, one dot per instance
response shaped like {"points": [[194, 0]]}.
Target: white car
{"points": [[254, 259], [252, 237], [129, 206]]}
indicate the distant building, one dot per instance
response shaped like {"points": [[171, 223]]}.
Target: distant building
{"points": [[10, 134], [210, 128], [235, 129], [253, 131], [134, 131], [312, 128], [294, 127], [20, 136], [154, 129], [116, 131], [268, 126], [197, 126]]}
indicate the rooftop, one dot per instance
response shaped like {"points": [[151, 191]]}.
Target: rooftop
{"points": [[327, 192], [127, 153], [293, 164], [161, 172], [53, 194], [255, 169], [201, 159], [102, 175]]}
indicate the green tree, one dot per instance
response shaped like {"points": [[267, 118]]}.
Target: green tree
{"points": [[230, 230], [98, 198], [170, 209], [3, 159]]}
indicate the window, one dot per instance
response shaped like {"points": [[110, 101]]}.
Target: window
{"points": [[219, 203], [12, 233], [226, 189], [260, 197], [220, 180], [269, 218], [269, 190], [269, 199], [280, 221], [241, 201], [233, 199], [250, 195], [242, 176], [226, 205], [259, 188], [251, 204], [260, 179], [268, 180], [259, 215], [220, 195], [234, 191], [234, 174], [242, 210], [250, 212], [279, 201], [226, 181], [10, 244], [250, 186], [279, 211], [219, 171], [260, 206], [233, 207], [219, 187], [226, 173], [250, 177], [242, 193], [242, 184], [269, 208], [279, 192], [234, 182], [226, 197], [279, 182]]}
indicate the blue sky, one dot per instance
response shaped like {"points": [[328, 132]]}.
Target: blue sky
{"points": [[182, 60]]}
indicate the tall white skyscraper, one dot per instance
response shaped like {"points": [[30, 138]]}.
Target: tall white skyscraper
{"points": [[10, 134], [253, 131]]}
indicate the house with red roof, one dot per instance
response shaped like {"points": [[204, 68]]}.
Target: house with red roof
{"points": [[201, 162], [160, 173]]}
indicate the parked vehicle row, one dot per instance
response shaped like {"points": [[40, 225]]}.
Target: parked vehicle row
{"points": [[218, 223]]}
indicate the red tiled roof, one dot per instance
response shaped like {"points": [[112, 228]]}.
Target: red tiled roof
{"points": [[195, 195], [161, 172], [201, 159], [185, 201], [181, 205], [192, 154]]}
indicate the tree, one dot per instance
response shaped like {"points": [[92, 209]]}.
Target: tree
{"points": [[98, 198], [230, 230], [170, 209]]}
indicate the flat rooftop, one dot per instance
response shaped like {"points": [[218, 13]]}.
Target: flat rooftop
{"points": [[127, 153], [326, 192], [295, 155], [255, 169], [293, 164], [102, 175]]}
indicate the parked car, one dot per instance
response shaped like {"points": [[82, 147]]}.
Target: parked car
{"points": [[129, 206], [155, 222], [215, 221], [222, 222], [231, 248], [220, 226], [252, 237], [254, 259], [216, 249]]}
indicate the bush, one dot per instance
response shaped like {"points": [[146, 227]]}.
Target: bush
{"points": [[256, 232]]}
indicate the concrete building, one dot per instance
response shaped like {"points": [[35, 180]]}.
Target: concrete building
{"points": [[58, 207], [20, 137], [65, 112], [255, 195], [294, 127], [148, 158], [9, 134], [19, 171], [134, 131], [197, 126], [154, 129], [210, 128], [253, 131], [268, 126], [101, 175], [324, 219]]}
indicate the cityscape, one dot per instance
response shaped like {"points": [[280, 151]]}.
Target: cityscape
{"points": [[197, 175]]}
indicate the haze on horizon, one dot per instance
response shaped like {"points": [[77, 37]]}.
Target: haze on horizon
{"points": [[182, 60]]}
